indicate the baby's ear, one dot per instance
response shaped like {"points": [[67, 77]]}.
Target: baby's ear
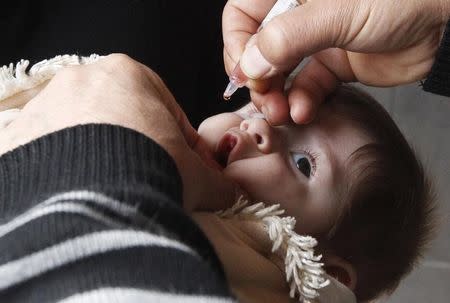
{"points": [[341, 270]]}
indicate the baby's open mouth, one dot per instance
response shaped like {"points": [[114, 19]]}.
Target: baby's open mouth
{"points": [[224, 148]]}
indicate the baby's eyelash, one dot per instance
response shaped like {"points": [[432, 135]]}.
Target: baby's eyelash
{"points": [[313, 156]]}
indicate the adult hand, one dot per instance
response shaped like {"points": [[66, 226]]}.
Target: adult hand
{"points": [[118, 90], [378, 43]]}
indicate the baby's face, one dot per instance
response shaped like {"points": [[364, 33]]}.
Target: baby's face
{"points": [[297, 166]]}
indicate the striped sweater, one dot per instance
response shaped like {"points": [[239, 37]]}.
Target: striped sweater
{"points": [[93, 214]]}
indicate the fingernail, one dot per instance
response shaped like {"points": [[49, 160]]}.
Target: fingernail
{"points": [[253, 64], [298, 115]]}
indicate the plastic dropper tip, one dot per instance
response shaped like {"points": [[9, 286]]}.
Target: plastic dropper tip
{"points": [[230, 90]]}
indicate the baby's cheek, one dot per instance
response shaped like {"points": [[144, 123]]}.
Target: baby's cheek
{"points": [[263, 182]]}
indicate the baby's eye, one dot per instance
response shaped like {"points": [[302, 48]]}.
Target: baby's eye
{"points": [[302, 162]]}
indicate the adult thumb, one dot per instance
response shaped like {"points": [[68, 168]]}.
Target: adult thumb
{"points": [[293, 35]]}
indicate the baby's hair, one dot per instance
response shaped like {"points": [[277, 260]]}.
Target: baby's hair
{"points": [[388, 220]]}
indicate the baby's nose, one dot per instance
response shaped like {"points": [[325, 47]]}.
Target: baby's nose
{"points": [[260, 131]]}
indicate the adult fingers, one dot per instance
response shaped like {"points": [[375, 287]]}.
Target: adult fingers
{"points": [[240, 21], [260, 86], [189, 133], [194, 161], [316, 81], [309, 89], [298, 33], [273, 103]]}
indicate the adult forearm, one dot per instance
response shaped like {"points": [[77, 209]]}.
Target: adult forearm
{"points": [[98, 207]]}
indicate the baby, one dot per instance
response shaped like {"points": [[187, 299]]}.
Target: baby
{"points": [[349, 178]]}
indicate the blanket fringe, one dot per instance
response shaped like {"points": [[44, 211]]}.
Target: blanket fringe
{"points": [[303, 270], [15, 78]]}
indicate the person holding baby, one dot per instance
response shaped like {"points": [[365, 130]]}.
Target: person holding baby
{"points": [[105, 183]]}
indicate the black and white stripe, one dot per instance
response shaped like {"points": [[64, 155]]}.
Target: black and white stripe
{"points": [[116, 236], [110, 237], [138, 295]]}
